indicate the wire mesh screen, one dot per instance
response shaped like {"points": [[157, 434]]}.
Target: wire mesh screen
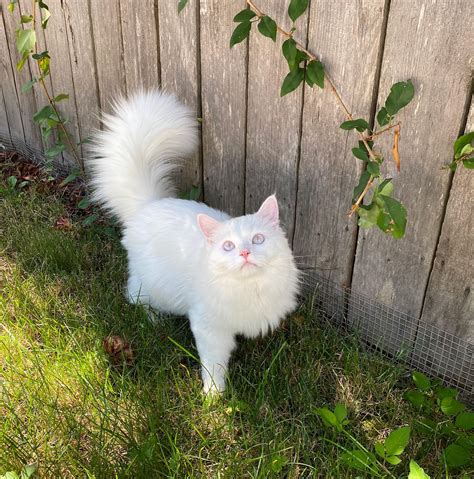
{"points": [[421, 346]]}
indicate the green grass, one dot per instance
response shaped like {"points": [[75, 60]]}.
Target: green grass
{"points": [[67, 408]]}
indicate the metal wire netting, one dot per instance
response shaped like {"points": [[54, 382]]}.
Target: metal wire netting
{"points": [[422, 346]]}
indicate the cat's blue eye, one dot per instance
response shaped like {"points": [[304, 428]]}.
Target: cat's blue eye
{"points": [[228, 245], [258, 238]]}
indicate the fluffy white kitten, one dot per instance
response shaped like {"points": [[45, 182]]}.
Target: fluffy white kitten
{"points": [[228, 275]]}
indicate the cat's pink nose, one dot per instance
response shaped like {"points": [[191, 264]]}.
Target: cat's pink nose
{"points": [[245, 253]]}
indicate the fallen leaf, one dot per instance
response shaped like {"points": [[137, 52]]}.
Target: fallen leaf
{"points": [[395, 154], [63, 223], [118, 349]]}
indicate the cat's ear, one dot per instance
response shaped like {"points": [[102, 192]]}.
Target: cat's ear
{"points": [[269, 210], [207, 225]]}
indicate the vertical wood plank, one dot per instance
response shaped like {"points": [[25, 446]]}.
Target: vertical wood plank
{"points": [[27, 101], [179, 53], [420, 45], [11, 123], [84, 73], [223, 94], [273, 123], [140, 44], [107, 34], [56, 42], [348, 41], [449, 301]]}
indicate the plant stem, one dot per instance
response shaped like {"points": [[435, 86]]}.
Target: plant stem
{"points": [[380, 132], [52, 103], [337, 96]]}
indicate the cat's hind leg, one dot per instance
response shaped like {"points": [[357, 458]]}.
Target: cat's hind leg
{"points": [[135, 294]]}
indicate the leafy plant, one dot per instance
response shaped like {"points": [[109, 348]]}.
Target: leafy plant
{"points": [[26, 473], [463, 152], [443, 415], [382, 210]]}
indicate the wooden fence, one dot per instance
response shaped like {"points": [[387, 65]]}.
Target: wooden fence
{"points": [[255, 143]]}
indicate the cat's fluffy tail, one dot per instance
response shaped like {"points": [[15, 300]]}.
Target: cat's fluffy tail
{"points": [[131, 159]]}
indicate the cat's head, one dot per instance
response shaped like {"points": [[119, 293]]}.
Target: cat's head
{"points": [[248, 245]]}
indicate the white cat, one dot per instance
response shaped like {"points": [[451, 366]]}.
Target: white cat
{"points": [[228, 275]]}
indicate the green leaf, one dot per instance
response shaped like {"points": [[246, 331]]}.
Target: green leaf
{"points": [[360, 153], [84, 203], [60, 97], [394, 460], [417, 398], [315, 73], [25, 40], [277, 463], [465, 421], [71, 177], [451, 406], [456, 455], [11, 6], [193, 194], [290, 52], [328, 417], [26, 18], [240, 33], [43, 114], [368, 215], [244, 16], [28, 471], [10, 474], [181, 5], [446, 393], [21, 63], [267, 27], [90, 219], [386, 187], [363, 180], [39, 56], [28, 85], [398, 216], [468, 163], [416, 472], [400, 95], [397, 441], [292, 81], [297, 8], [360, 125], [358, 459], [373, 168], [462, 141], [55, 150], [421, 381], [379, 449], [340, 411], [383, 117], [12, 181]]}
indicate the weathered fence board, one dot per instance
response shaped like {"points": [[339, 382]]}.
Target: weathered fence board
{"points": [[81, 56], [179, 54], [27, 102], [348, 42], [11, 120], [223, 82], [449, 301], [396, 271], [108, 47], [140, 45], [273, 123]]}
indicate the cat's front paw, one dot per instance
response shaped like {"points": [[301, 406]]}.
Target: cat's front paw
{"points": [[213, 385]]}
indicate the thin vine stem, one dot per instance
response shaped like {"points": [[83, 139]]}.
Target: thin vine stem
{"points": [[52, 102], [339, 101]]}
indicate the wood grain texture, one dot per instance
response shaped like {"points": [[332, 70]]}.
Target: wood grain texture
{"points": [[420, 45], [223, 94], [27, 101], [56, 41], [107, 34], [84, 73], [348, 43], [179, 54], [140, 44], [273, 123], [449, 301], [10, 118]]}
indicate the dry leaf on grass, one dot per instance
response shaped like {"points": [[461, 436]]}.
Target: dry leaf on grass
{"points": [[118, 349]]}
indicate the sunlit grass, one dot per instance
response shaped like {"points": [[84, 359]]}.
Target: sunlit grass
{"points": [[66, 408]]}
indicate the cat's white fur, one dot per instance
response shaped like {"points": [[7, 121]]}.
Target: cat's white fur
{"points": [[177, 263]]}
